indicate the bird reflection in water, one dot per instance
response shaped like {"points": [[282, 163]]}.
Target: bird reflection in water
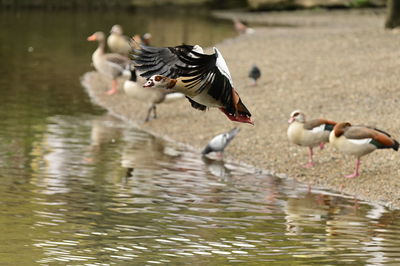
{"points": [[105, 130], [216, 167], [145, 151]]}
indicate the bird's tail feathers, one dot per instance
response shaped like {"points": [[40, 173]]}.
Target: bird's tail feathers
{"points": [[241, 108], [233, 132], [395, 145]]}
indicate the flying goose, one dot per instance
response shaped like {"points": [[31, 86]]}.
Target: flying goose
{"points": [[117, 42], [109, 65], [308, 133], [359, 141], [204, 78], [219, 142], [153, 96]]}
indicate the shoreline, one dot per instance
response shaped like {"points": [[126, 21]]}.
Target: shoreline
{"points": [[341, 66]]}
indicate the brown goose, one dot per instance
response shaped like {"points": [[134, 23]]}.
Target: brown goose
{"points": [[308, 133], [203, 78], [359, 141], [109, 65], [117, 42]]}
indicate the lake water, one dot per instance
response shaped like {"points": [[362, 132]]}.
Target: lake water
{"points": [[80, 187]]}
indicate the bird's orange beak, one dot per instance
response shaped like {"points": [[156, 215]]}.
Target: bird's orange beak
{"points": [[91, 38]]}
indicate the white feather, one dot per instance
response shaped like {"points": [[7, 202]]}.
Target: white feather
{"points": [[218, 142], [360, 141], [197, 48], [221, 64], [173, 97], [318, 129]]}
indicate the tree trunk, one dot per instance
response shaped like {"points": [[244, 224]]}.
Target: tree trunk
{"points": [[393, 14]]}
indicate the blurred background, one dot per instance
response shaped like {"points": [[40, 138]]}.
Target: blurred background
{"points": [[80, 187]]}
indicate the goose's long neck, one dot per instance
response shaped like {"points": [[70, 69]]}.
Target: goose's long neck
{"points": [[99, 51], [101, 48]]}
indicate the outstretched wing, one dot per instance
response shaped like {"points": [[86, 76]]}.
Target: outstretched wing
{"points": [[160, 61], [207, 72]]}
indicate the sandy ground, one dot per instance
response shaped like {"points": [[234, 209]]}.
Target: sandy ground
{"points": [[341, 66]]}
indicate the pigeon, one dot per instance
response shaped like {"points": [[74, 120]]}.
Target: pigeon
{"points": [[219, 142], [254, 74]]}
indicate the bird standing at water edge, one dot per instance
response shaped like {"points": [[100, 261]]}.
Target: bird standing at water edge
{"points": [[308, 133], [219, 142], [117, 42], [359, 141], [254, 74], [204, 78], [153, 96], [109, 65]]}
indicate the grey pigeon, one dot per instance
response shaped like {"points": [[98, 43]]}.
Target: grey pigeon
{"points": [[254, 74], [219, 142]]}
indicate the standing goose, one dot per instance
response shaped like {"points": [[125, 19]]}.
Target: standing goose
{"points": [[219, 142], [117, 42], [308, 133], [203, 78], [109, 65], [153, 96], [359, 141]]}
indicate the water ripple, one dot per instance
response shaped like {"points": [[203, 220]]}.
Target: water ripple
{"points": [[147, 201]]}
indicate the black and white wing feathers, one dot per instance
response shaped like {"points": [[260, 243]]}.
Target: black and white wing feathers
{"points": [[207, 72], [160, 61], [199, 71]]}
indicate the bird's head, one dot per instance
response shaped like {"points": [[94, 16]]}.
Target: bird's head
{"points": [[340, 128], [298, 116], [159, 81], [146, 38], [116, 29], [97, 36]]}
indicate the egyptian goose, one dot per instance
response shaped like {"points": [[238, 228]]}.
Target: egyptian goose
{"points": [[219, 142], [254, 74], [203, 78], [117, 42], [308, 133], [109, 65], [359, 141], [153, 96]]}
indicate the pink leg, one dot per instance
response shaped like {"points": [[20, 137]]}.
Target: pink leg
{"points": [[310, 158], [356, 172], [321, 146], [113, 89]]}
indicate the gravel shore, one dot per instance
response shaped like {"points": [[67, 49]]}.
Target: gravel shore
{"points": [[342, 66]]}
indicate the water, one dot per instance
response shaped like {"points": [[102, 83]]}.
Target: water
{"points": [[79, 187]]}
